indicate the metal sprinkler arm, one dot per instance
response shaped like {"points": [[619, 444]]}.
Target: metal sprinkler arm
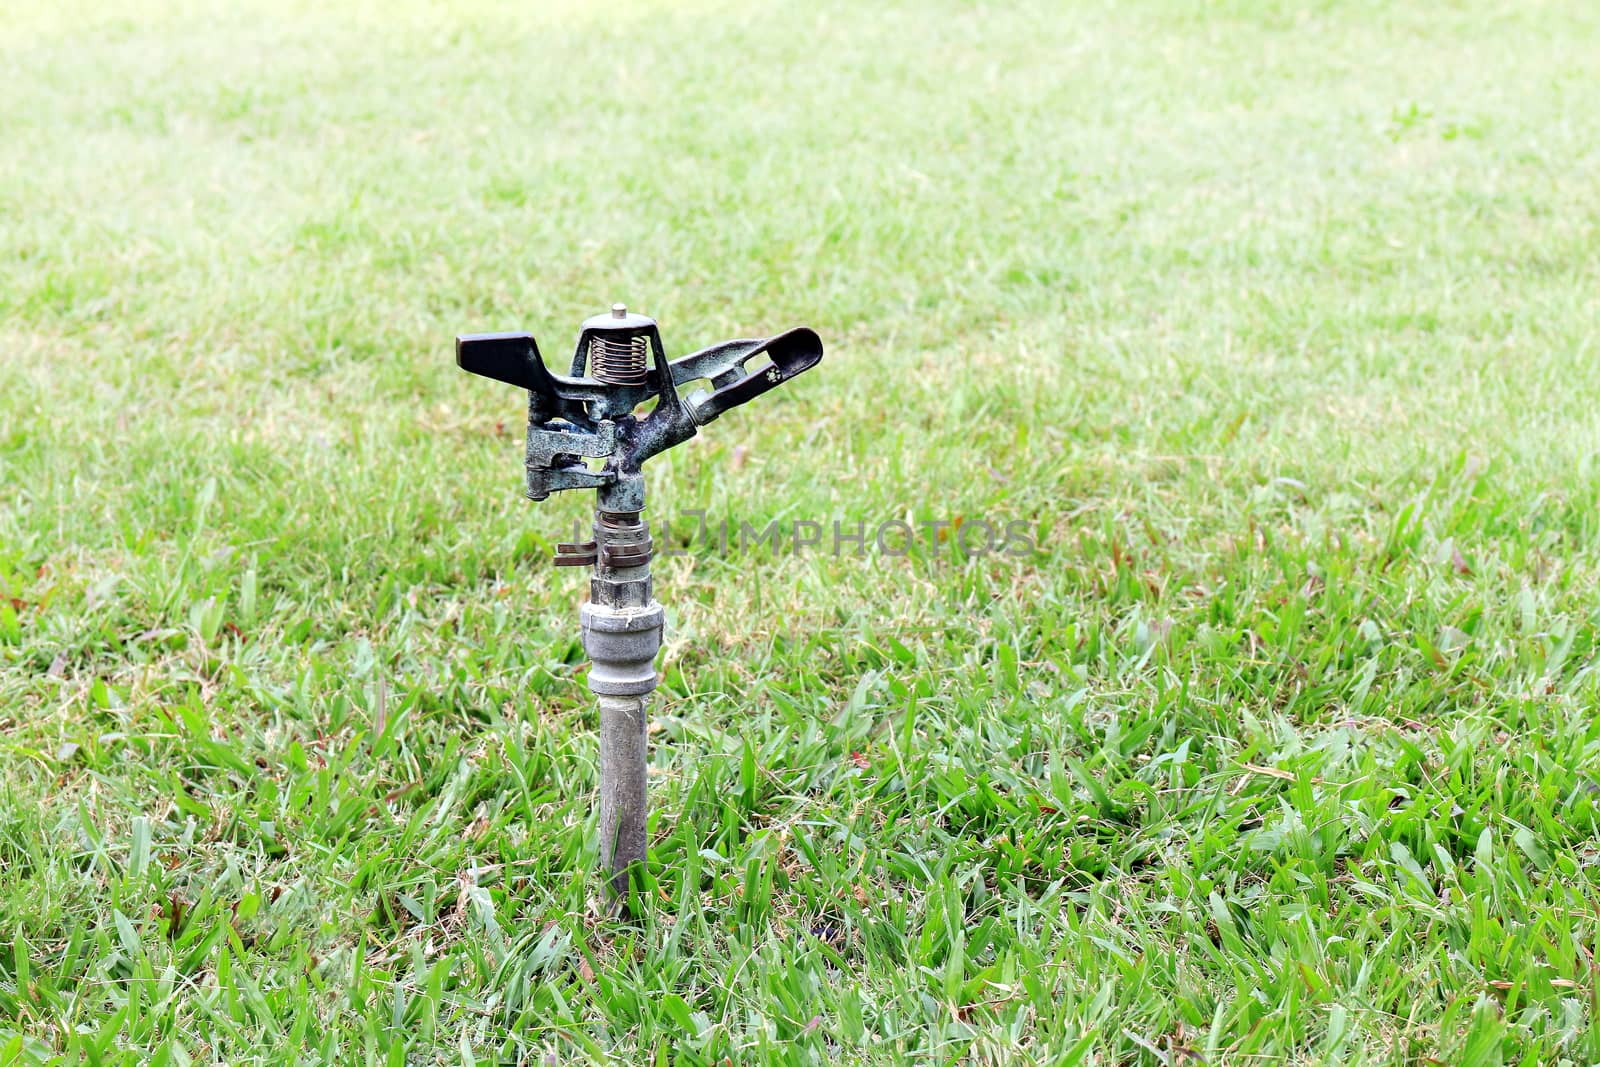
{"points": [[724, 365], [592, 415]]}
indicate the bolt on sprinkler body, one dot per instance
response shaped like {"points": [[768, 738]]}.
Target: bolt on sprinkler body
{"points": [[589, 414]]}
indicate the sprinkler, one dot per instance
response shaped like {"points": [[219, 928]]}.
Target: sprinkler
{"points": [[593, 429]]}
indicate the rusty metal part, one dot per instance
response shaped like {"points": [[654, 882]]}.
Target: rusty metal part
{"points": [[625, 556], [622, 565], [576, 554]]}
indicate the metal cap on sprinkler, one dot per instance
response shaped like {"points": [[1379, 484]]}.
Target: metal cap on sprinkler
{"points": [[585, 431]]}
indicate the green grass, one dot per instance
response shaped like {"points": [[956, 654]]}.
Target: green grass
{"points": [[1276, 322]]}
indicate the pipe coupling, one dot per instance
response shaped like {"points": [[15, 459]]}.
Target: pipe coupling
{"points": [[622, 644]]}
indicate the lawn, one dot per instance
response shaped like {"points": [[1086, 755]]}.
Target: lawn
{"points": [[1273, 326]]}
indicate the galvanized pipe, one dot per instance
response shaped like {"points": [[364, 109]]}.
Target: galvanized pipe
{"points": [[624, 807], [622, 628]]}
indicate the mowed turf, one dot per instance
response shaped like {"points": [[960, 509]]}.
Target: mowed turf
{"points": [[1273, 324]]}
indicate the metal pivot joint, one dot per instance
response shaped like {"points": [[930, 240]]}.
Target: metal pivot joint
{"points": [[594, 428]]}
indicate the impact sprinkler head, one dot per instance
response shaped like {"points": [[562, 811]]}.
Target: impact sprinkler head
{"points": [[619, 365], [585, 431]]}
